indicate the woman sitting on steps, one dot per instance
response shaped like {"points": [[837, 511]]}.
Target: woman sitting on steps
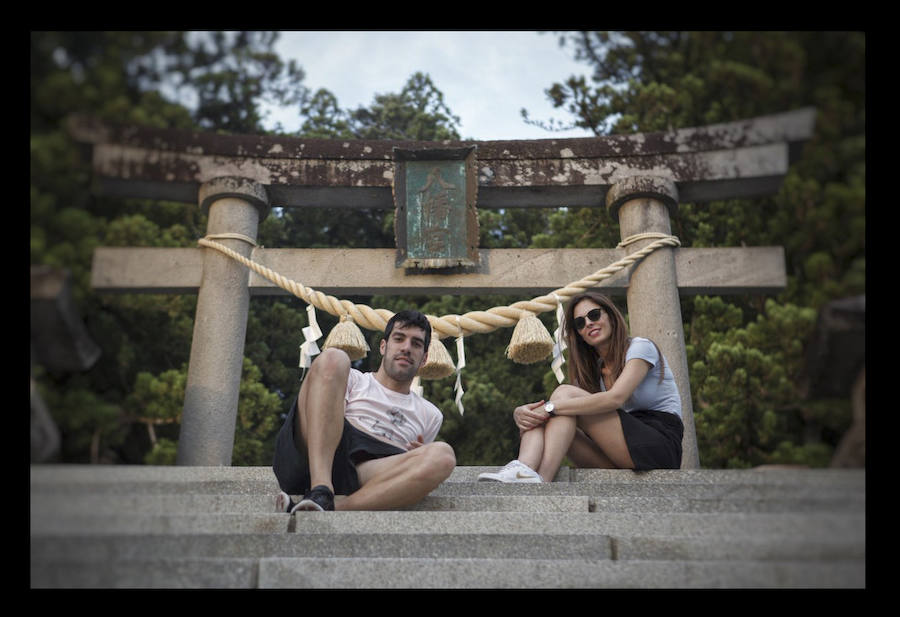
{"points": [[623, 411]]}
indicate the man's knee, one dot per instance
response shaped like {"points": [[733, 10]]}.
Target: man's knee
{"points": [[327, 376], [332, 363], [439, 460]]}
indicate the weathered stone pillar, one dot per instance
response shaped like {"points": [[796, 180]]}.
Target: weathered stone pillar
{"points": [[235, 206], [642, 204]]}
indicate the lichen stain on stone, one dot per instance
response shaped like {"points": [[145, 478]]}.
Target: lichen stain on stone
{"points": [[214, 167]]}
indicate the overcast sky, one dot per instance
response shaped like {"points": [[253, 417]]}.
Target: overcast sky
{"points": [[486, 77]]}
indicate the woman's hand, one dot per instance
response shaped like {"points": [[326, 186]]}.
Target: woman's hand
{"points": [[530, 415]]}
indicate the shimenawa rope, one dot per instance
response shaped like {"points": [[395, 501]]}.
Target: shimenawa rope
{"points": [[450, 325]]}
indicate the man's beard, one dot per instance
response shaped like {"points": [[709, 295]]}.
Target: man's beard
{"points": [[400, 372]]}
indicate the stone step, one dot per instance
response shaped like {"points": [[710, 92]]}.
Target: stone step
{"points": [[758, 476], [65, 481], [389, 573], [496, 498], [437, 522], [624, 497], [182, 503], [530, 574], [131, 547], [93, 549], [240, 573], [75, 477]]}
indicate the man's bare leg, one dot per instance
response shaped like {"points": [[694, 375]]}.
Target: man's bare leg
{"points": [[401, 480], [320, 413]]}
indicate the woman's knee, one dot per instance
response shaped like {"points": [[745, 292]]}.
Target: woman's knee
{"points": [[565, 425], [567, 391]]}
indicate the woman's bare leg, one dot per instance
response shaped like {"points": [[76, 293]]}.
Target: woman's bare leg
{"points": [[605, 431], [558, 434], [594, 441], [531, 447], [544, 447], [585, 454]]}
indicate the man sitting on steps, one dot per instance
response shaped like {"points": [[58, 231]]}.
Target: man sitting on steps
{"points": [[363, 435]]}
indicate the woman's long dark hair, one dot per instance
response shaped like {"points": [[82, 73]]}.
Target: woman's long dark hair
{"points": [[584, 361]]}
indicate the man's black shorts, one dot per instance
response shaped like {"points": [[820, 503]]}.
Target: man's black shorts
{"points": [[291, 465]]}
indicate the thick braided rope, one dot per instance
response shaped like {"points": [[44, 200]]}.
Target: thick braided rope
{"points": [[450, 325]]}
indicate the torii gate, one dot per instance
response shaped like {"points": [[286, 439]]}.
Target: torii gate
{"points": [[236, 178]]}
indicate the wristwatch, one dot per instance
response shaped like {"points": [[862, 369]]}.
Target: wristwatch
{"points": [[549, 408]]}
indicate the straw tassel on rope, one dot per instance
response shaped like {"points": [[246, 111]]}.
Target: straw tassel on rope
{"points": [[530, 340], [347, 336], [439, 363]]}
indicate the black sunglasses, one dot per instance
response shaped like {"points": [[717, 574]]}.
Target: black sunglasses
{"points": [[593, 315]]}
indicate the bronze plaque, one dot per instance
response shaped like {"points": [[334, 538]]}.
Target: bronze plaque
{"points": [[436, 223]]}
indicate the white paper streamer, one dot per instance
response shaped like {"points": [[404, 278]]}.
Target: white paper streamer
{"points": [[416, 386], [460, 364], [560, 344], [311, 334]]}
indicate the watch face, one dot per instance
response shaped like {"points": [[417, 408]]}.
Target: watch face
{"points": [[549, 407]]}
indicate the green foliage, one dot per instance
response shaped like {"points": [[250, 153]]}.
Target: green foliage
{"points": [[158, 397], [157, 401], [417, 113], [746, 399], [324, 118], [87, 423], [258, 420], [163, 452]]}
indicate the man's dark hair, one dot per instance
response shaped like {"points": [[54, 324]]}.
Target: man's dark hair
{"points": [[408, 318]]}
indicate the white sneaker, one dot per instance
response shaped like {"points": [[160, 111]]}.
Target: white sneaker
{"points": [[514, 471]]}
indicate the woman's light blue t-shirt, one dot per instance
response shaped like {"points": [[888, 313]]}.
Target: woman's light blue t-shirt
{"points": [[650, 393]]}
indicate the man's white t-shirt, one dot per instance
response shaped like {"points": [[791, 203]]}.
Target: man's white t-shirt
{"points": [[392, 416]]}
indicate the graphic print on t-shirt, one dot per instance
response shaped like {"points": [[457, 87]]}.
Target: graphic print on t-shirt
{"points": [[383, 430]]}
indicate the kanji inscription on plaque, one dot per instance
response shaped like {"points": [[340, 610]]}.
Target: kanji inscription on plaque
{"points": [[436, 221]]}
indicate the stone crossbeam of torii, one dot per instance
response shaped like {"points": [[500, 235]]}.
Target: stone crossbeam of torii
{"points": [[238, 178]]}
